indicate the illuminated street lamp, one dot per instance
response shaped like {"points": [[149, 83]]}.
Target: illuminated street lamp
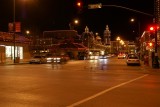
{"points": [[27, 32], [76, 21], [99, 5], [73, 23], [133, 20], [79, 4], [16, 28]]}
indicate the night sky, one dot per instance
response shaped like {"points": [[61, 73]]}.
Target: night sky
{"points": [[40, 15]]}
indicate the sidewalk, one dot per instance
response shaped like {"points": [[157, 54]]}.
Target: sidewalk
{"points": [[149, 65], [12, 63]]}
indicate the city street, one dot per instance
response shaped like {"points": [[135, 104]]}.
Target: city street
{"points": [[83, 83]]}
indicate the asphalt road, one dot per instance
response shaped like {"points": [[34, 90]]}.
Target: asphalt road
{"points": [[105, 83]]}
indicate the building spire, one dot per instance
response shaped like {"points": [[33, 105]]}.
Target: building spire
{"points": [[86, 29], [107, 34]]}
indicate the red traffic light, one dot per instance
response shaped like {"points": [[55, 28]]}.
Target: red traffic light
{"points": [[151, 28]]}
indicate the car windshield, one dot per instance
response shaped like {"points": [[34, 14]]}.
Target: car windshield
{"points": [[133, 57]]}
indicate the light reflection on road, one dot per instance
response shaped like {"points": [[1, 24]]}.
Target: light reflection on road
{"points": [[97, 64]]}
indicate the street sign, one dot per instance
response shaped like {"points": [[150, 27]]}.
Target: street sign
{"points": [[95, 6], [16, 28]]}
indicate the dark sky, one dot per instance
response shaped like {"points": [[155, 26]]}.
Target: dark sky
{"points": [[41, 15]]}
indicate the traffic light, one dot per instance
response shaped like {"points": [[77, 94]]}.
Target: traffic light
{"points": [[150, 45], [152, 28]]}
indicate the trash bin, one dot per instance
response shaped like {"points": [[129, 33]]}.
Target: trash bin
{"points": [[17, 59]]}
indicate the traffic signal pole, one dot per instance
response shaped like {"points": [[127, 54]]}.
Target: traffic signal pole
{"points": [[156, 16], [156, 21], [155, 63]]}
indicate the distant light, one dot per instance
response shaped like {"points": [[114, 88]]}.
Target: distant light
{"points": [[150, 44], [76, 21], [79, 4], [132, 20], [27, 32], [97, 33], [118, 38], [3, 45]]}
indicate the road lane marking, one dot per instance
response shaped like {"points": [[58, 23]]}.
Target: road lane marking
{"points": [[105, 91]]}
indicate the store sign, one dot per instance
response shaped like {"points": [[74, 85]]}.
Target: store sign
{"points": [[17, 27], [10, 27]]}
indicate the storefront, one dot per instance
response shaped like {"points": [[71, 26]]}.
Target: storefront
{"points": [[9, 51]]}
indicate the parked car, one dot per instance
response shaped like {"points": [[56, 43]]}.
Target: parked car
{"points": [[133, 60], [38, 59]]}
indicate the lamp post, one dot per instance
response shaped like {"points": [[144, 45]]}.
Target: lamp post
{"points": [[14, 36], [73, 23], [27, 32], [139, 26], [118, 39], [99, 5]]}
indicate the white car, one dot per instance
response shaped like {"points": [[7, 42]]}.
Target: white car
{"points": [[38, 59], [133, 60], [121, 56]]}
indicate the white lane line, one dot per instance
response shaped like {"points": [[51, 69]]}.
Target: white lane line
{"points": [[103, 92]]}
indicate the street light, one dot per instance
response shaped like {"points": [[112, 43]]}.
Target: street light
{"points": [[118, 39], [16, 28], [27, 32], [133, 20], [79, 4], [76, 21], [73, 23], [99, 5], [14, 13]]}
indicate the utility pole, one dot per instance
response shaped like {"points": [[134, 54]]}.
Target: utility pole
{"points": [[14, 35], [157, 22]]}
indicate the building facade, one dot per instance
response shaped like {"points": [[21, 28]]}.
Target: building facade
{"points": [[9, 48]]}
